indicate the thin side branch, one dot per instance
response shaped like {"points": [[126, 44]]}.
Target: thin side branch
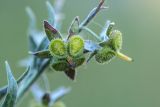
{"points": [[91, 15]]}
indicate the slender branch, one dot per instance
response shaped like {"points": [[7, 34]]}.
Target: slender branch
{"points": [[91, 15], [91, 32], [30, 79]]}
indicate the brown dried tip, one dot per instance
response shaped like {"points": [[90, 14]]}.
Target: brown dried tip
{"points": [[51, 32], [49, 27], [71, 73]]}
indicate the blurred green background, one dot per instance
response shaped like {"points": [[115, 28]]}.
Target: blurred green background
{"points": [[117, 84]]}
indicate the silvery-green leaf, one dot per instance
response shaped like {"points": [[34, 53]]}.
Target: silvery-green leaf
{"points": [[106, 30], [25, 62], [74, 28], [35, 36], [51, 32], [23, 75], [91, 46], [32, 43], [71, 73], [32, 19], [32, 28], [51, 13], [10, 98], [59, 93], [3, 90], [42, 54], [37, 92], [43, 44]]}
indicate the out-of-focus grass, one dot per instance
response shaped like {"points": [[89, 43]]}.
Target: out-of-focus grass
{"points": [[117, 84]]}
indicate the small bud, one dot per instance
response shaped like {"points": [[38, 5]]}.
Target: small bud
{"points": [[58, 48], [115, 40], [59, 65], [76, 46], [46, 99], [59, 104], [104, 55]]}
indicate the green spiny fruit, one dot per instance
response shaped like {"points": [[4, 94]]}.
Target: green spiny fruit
{"points": [[58, 48], [115, 40], [76, 46], [59, 65], [104, 55]]}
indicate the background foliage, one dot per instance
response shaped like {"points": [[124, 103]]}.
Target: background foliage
{"points": [[118, 84]]}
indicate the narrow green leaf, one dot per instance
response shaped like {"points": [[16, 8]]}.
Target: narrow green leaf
{"points": [[51, 32], [42, 54], [74, 28], [10, 98]]}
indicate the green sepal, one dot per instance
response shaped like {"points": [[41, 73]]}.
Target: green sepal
{"points": [[51, 32], [109, 28], [42, 54], [76, 46], [79, 61], [105, 55], [59, 65], [74, 28], [58, 48]]}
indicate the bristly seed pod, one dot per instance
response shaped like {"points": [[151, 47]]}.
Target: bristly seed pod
{"points": [[115, 40], [76, 46], [105, 55], [58, 48]]}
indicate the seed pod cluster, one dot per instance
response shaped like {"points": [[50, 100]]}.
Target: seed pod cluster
{"points": [[111, 48], [66, 54]]}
